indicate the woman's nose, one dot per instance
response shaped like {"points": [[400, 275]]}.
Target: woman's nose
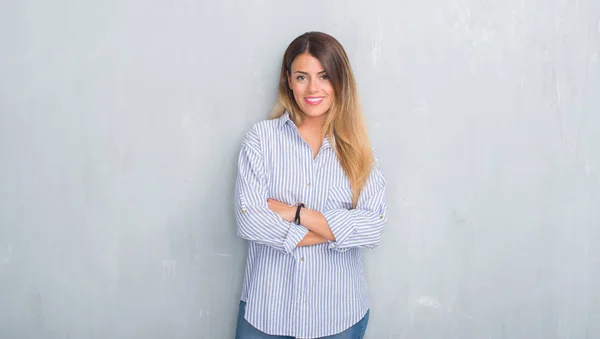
{"points": [[314, 85]]}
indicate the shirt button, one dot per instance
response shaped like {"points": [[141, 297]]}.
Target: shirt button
{"points": [[308, 184], [302, 259], [243, 210]]}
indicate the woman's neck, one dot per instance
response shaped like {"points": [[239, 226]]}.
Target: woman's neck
{"points": [[312, 125]]}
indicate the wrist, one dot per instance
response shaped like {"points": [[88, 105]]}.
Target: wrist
{"points": [[291, 213], [298, 213]]}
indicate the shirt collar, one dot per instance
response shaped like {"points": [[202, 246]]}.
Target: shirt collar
{"points": [[327, 143], [285, 118]]}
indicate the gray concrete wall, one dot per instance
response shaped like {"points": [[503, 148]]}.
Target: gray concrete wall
{"points": [[120, 124]]}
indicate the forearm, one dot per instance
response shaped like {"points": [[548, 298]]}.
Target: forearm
{"points": [[310, 219], [316, 223], [311, 239], [262, 226]]}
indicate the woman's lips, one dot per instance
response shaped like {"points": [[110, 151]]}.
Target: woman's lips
{"points": [[313, 100]]}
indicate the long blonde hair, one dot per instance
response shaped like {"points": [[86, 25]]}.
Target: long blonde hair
{"points": [[345, 122]]}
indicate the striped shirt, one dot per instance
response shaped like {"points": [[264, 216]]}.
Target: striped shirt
{"points": [[307, 291]]}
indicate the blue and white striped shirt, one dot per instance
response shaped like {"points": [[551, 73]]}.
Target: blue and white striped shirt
{"points": [[308, 291]]}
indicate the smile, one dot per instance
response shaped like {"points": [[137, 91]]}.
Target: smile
{"points": [[313, 100]]}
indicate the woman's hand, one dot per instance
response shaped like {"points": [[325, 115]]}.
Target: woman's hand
{"points": [[285, 211]]}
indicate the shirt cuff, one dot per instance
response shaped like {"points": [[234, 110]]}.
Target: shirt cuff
{"points": [[341, 224], [294, 236]]}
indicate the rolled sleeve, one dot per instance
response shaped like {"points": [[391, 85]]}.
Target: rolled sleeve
{"points": [[255, 221], [363, 226], [294, 236]]}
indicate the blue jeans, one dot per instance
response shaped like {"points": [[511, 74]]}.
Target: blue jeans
{"points": [[246, 331]]}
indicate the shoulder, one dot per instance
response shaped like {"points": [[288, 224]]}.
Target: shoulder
{"points": [[374, 151], [377, 172], [375, 158], [260, 132]]}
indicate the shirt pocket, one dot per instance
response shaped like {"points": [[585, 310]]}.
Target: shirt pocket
{"points": [[338, 197]]}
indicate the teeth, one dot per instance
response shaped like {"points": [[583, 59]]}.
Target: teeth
{"points": [[314, 99]]}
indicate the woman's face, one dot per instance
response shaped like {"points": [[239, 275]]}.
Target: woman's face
{"points": [[312, 89]]}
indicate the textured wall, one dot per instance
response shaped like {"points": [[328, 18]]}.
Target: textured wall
{"points": [[120, 124]]}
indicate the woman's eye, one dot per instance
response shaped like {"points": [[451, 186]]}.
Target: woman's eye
{"points": [[300, 77], [324, 77]]}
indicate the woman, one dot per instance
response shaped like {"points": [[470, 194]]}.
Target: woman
{"points": [[309, 196]]}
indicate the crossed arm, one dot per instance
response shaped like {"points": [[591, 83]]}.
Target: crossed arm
{"points": [[318, 228], [270, 222]]}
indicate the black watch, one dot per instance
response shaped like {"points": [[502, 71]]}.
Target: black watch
{"points": [[297, 218]]}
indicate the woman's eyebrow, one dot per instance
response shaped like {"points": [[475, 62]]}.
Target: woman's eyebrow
{"points": [[307, 72]]}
